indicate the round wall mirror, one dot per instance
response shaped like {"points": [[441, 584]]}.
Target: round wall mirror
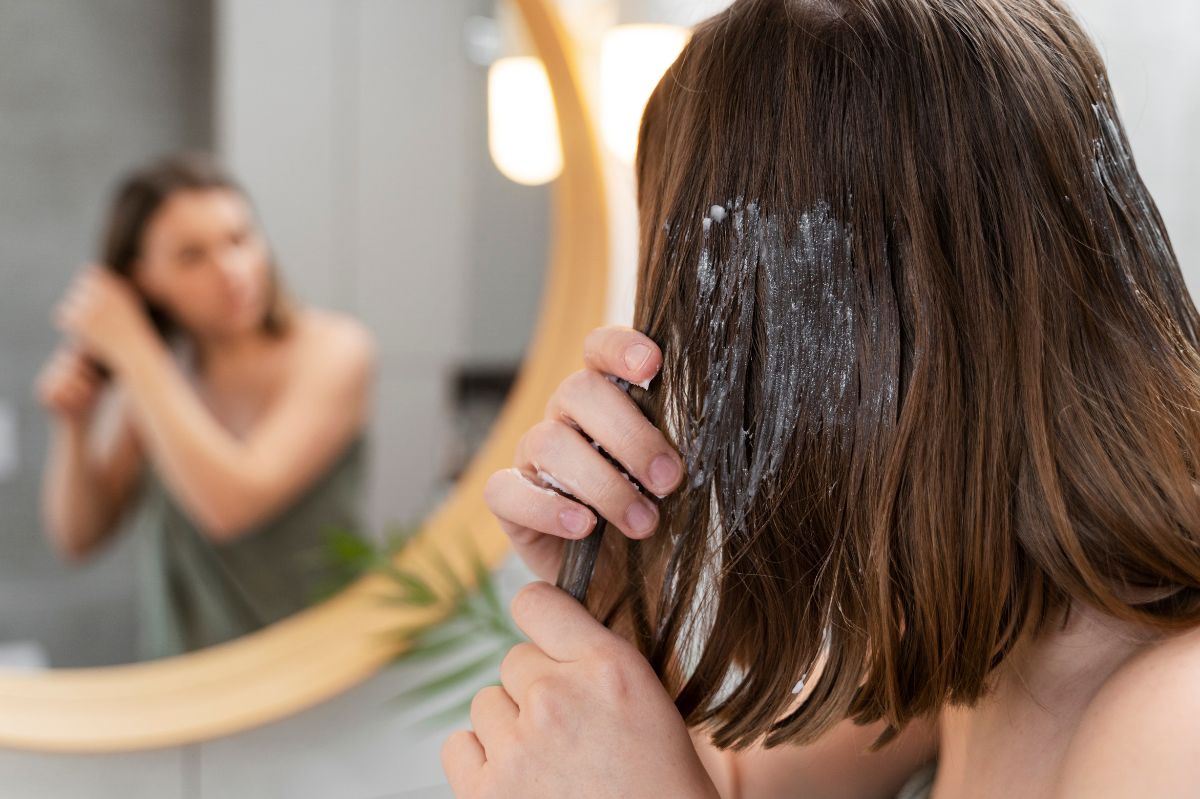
{"points": [[361, 156]]}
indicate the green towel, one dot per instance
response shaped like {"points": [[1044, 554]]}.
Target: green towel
{"points": [[193, 592]]}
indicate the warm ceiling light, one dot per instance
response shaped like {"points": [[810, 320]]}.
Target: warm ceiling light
{"points": [[633, 59], [523, 136]]}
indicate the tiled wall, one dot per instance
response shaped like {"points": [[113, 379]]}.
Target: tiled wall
{"points": [[86, 90]]}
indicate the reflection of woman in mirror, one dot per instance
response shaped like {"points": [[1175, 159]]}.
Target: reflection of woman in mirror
{"points": [[248, 410], [917, 328]]}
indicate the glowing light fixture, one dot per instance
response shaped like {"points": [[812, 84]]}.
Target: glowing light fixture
{"points": [[633, 59], [523, 136]]}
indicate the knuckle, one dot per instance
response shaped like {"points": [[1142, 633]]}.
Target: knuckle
{"points": [[527, 601], [612, 490], [628, 438], [540, 438], [452, 745], [598, 341], [509, 661], [611, 341], [480, 701], [544, 703], [477, 703], [566, 394], [551, 410], [494, 489], [506, 666], [612, 673], [577, 385]]}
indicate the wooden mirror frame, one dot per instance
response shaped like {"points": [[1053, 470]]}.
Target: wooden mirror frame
{"points": [[322, 651]]}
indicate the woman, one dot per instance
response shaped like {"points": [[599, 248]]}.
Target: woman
{"points": [[935, 375], [248, 411]]}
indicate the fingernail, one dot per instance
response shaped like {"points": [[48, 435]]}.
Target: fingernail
{"points": [[636, 355], [640, 517], [664, 472], [576, 521]]}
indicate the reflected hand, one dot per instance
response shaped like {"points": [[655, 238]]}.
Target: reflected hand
{"points": [[69, 385], [538, 519], [580, 714], [104, 313]]}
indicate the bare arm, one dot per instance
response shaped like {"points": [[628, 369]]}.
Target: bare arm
{"points": [[230, 484], [839, 765], [93, 460]]}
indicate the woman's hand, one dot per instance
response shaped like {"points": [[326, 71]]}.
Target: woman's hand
{"points": [[555, 451], [104, 313], [580, 714], [69, 385]]}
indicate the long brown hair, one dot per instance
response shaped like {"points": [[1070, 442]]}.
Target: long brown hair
{"points": [[139, 196], [927, 351]]}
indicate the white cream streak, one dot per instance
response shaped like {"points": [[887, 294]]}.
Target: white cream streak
{"points": [[549, 480], [1120, 186], [777, 310], [525, 479]]}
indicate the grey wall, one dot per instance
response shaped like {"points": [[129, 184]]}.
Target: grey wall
{"points": [[86, 90]]}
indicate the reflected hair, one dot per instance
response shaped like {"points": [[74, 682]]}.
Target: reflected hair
{"points": [[139, 196], [928, 354]]}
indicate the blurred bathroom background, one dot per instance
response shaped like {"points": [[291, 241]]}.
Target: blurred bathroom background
{"points": [[361, 130]]}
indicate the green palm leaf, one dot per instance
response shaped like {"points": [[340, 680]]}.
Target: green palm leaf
{"points": [[475, 616]]}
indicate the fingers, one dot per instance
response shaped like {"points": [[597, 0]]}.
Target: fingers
{"points": [[71, 311], [512, 496], [69, 382], [73, 395], [64, 315], [524, 665], [493, 714], [559, 454], [462, 760], [79, 364], [623, 352], [614, 421], [558, 625], [542, 553], [82, 292]]}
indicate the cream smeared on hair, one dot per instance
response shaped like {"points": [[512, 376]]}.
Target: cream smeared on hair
{"points": [[754, 276]]}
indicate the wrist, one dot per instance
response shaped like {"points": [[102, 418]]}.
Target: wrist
{"points": [[71, 435], [143, 352], [73, 426]]}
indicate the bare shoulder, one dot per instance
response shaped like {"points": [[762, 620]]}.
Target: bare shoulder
{"points": [[337, 332], [1140, 736], [840, 763], [335, 346]]}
